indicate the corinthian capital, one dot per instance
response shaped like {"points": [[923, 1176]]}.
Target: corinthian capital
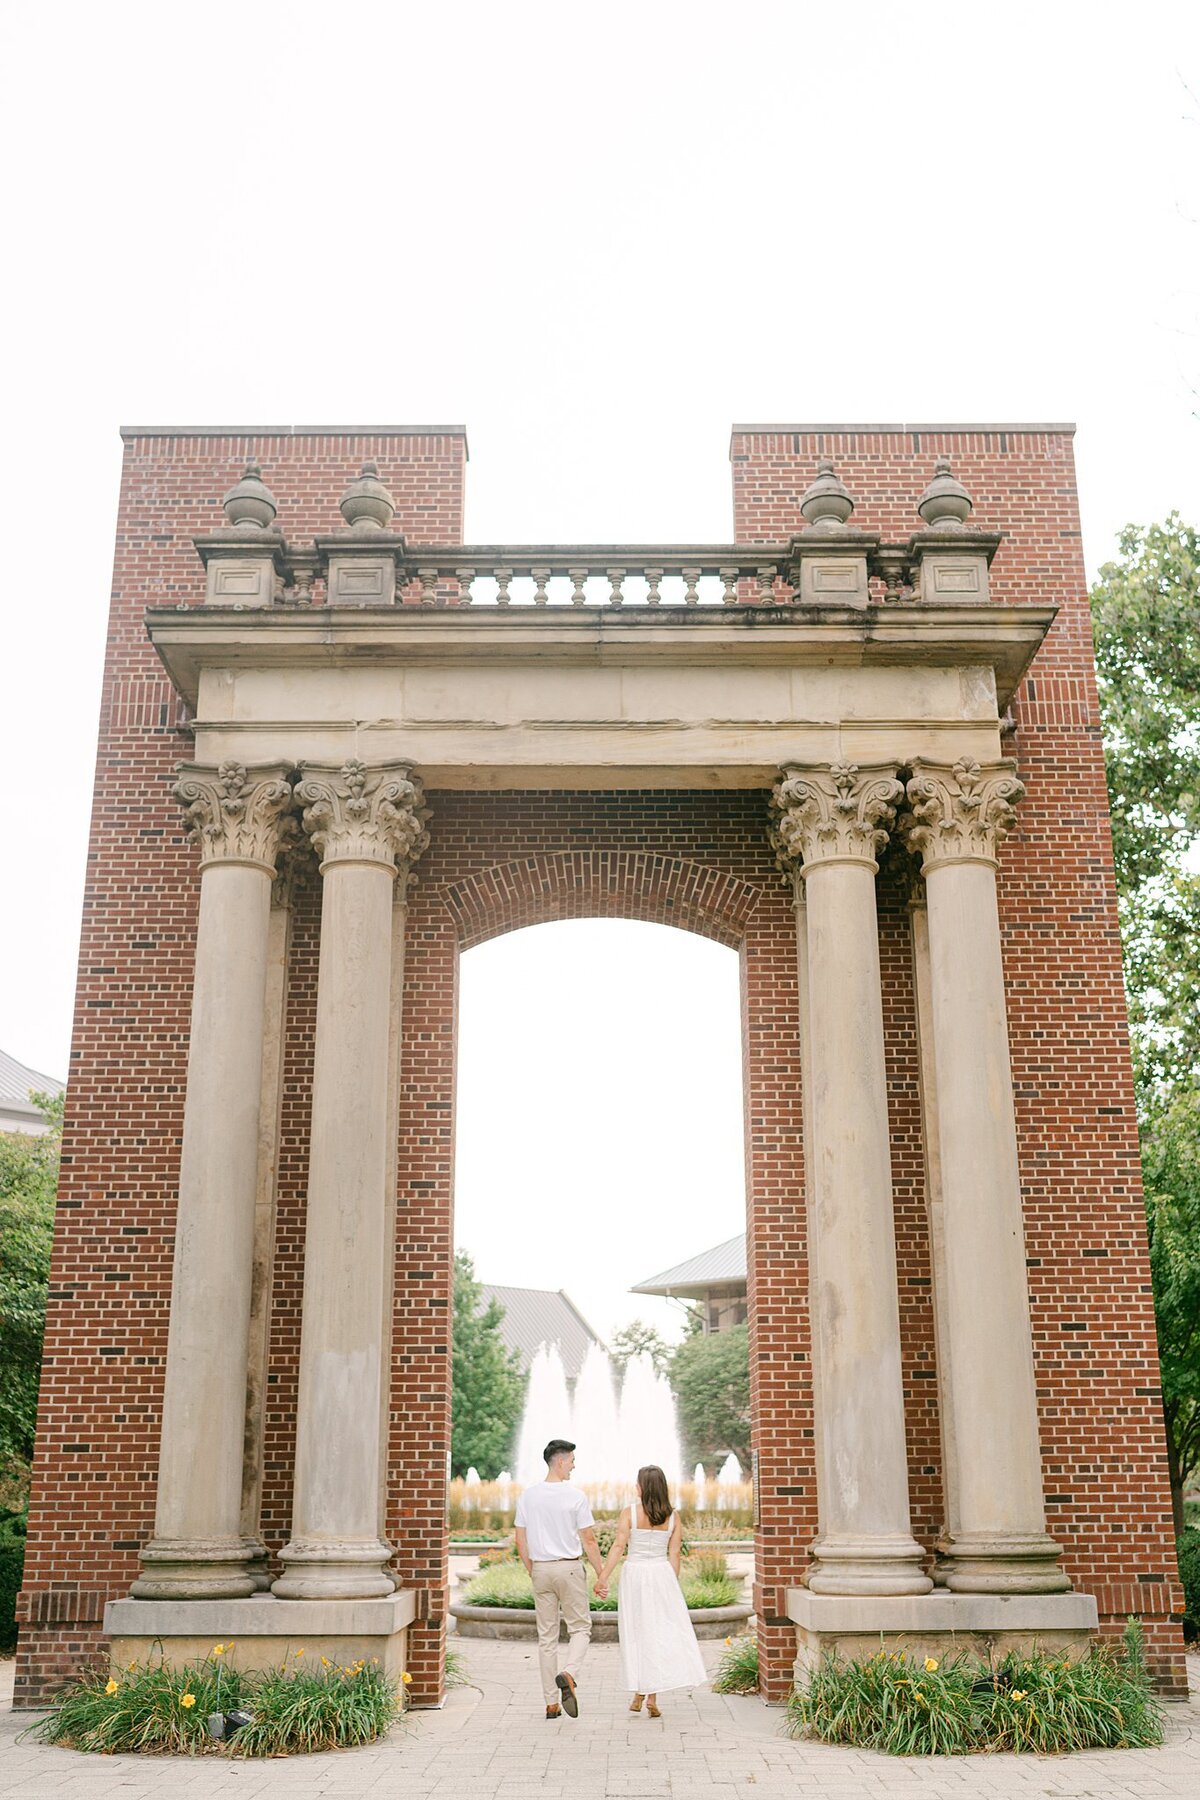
{"points": [[960, 814], [236, 814], [833, 814], [361, 814]]}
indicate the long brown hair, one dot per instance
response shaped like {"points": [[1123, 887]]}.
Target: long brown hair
{"points": [[656, 1502]]}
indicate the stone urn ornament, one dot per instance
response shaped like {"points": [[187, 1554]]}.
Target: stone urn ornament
{"points": [[826, 503], [945, 504], [366, 503], [250, 504]]}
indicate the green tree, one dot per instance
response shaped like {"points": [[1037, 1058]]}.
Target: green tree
{"points": [[710, 1377], [28, 1183], [488, 1385], [639, 1339], [1146, 620]]}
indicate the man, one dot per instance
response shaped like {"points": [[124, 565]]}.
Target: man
{"points": [[554, 1527]]}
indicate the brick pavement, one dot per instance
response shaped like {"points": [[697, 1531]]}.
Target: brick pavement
{"points": [[491, 1743]]}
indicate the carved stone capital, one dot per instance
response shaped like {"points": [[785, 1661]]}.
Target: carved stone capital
{"points": [[237, 814], [960, 813], [836, 813], [361, 814]]}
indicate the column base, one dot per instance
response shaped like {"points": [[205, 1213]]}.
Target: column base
{"points": [[197, 1569], [262, 1633], [938, 1624], [1008, 1563], [869, 1565], [334, 1569]]}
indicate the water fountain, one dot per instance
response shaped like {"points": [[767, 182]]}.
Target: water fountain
{"points": [[615, 1437], [729, 1476]]}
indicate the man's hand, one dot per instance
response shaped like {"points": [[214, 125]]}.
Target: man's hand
{"points": [[523, 1550], [602, 1590]]}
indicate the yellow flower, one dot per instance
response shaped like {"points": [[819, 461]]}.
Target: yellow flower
{"points": [[406, 1678], [133, 1665], [1018, 1693], [187, 1699], [112, 1686], [300, 1652], [218, 1649], [326, 1662], [728, 1642], [374, 1659], [930, 1664]]}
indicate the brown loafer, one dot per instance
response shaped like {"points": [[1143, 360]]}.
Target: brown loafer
{"points": [[570, 1703], [554, 1712]]}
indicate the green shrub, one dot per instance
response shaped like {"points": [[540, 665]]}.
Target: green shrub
{"points": [[12, 1563], [737, 1671], [708, 1565], [1189, 1573], [164, 1711], [716, 1590], [914, 1706]]}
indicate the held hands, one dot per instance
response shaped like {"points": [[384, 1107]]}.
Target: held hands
{"points": [[601, 1589]]}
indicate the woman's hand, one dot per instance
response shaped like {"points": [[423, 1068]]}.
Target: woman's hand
{"points": [[675, 1545], [615, 1554]]}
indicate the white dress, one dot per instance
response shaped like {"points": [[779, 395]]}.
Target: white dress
{"points": [[658, 1645]]}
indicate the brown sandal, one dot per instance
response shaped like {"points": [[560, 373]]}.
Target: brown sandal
{"points": [[635, 1705], [653, 1710]]}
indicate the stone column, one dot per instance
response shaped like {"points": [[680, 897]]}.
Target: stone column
{"points": [[830, 823], [367, 825], [238, 818], [956, 820]]}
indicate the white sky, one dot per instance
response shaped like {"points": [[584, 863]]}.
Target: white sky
{"points": [[597, 236]]}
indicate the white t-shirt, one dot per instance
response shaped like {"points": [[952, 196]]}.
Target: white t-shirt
{"points": [[552, 1514]]}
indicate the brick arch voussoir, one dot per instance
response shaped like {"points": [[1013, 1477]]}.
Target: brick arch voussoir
{"points": [[601, 884]]}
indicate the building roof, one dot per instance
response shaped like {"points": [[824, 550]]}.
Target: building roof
{"points": [[722, 1266], [18, 1082], [534, 1316]]}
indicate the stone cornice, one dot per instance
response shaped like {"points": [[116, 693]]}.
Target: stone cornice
{"points": [[237, 814], [960, 812], [359, 814], [840, 813]]}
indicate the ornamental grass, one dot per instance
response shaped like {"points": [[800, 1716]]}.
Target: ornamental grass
{"points": [[507, 1584], [737, 1671], [156, 1710], [919, 1706]]}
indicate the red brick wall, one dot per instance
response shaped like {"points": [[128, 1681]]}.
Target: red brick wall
{"points": [[106, 1329], [500, 861], [1103, 1453]]}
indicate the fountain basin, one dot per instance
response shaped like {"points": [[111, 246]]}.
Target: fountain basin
{"points": [[520, 1622]]}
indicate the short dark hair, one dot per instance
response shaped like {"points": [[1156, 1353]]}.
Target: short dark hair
{"points": [[557, 1447]]}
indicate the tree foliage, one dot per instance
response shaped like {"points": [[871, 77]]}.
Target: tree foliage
{"points": [[1146, 619], [639, 1339], [488, 1385], [28, 1183], [711, 1379]]}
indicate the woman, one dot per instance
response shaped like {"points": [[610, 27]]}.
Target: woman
{"points": [[658, 1645]]}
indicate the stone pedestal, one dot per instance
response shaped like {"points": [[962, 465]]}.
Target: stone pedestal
{"points": [[262, 1633], [938, 1624]]}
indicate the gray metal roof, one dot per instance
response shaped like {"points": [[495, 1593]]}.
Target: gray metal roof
{"points": [[534, 1316], [17, 1082], [722, 1266]]}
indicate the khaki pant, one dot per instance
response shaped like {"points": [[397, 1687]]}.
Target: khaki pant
{"points": [[560, 1585]]}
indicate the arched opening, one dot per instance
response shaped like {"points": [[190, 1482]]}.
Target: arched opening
{"points": [[600, 1149]]}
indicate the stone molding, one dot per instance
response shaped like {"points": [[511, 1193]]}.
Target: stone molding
{"points": [[237, 814], [836, 813], [357, 814], [960, 813]]}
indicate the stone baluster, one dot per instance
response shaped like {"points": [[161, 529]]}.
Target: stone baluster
{"points": [[239, 819], [367, 826], [829, 824], [956, 820]]}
